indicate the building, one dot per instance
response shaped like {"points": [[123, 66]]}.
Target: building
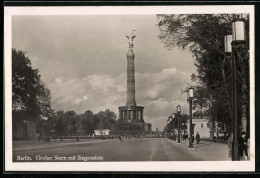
{"points": [[102, 132], [24, 130], [131, 121], [200, 125]]}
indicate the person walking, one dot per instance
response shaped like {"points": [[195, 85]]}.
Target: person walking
{"points": [[242, 144], [197, 137], [230, 142]]}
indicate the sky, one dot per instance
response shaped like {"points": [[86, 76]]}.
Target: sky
{"points": [[82, 60]]}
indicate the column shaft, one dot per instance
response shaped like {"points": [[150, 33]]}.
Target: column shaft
{"points": [[130, 79]]}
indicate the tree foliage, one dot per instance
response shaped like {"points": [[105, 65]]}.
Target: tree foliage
{"points": [[29, 93], [67, 123], [203, 35]]}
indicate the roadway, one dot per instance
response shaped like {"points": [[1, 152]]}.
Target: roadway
{"points": [[133, 149]]}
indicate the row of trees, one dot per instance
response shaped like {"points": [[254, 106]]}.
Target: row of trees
{"points": [[69, 123], [203, 35]]}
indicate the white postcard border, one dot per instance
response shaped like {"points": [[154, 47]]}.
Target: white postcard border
{"points": [[187, 166]]}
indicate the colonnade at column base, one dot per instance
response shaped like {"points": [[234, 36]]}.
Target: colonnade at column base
{"points": [[131, 114], [130, 122]]}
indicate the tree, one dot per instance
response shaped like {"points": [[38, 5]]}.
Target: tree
{"points": [[105, 118], [58, 124], [204, 36], [111, 116], [69, 119], [29, 93], [88, 124]]}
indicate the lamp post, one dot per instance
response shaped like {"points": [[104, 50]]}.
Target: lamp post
{"points": [[238, 44], [211, 118], [25, 129], [46, 131], [190, 98], [173, 117], [169, 126], [228, 51], [178, 113], [52, 133], [77, 131]]}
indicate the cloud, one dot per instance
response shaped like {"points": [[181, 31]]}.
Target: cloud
{"points": [[158, 92], [83, 63]]}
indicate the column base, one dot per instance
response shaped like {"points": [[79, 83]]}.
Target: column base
{"points": [[130, 129]]}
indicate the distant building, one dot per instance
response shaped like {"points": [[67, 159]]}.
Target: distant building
{"points": [[24, 130], [200, 125], [102, 132]]}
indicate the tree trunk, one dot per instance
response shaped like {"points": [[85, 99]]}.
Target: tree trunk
{"points": [[211, 118], [225, 86]]}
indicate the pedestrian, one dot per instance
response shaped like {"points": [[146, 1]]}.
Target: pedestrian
{"points": [[39, 138], [225, 136], [197, 137], [230, 141], [242, 145], [119, 138]]}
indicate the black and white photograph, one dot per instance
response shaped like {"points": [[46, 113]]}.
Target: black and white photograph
{"points": [[140, 88]]}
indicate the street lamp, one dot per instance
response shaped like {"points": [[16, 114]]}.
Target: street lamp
{"points": [[46, 131], [227, 44], [173, 117], [238, 45], [77, 131], [169, 126], [212, 123], [25, 122], [52, 133], [190, 98], [178, 114]]}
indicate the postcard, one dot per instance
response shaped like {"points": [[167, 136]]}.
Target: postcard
{"points": [[129, 88]]}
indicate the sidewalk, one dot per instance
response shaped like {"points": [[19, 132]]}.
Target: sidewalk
{"points": [[30, 145], [206, 150]]}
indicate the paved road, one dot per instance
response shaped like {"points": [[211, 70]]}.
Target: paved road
{"points": [[133, 149]]}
